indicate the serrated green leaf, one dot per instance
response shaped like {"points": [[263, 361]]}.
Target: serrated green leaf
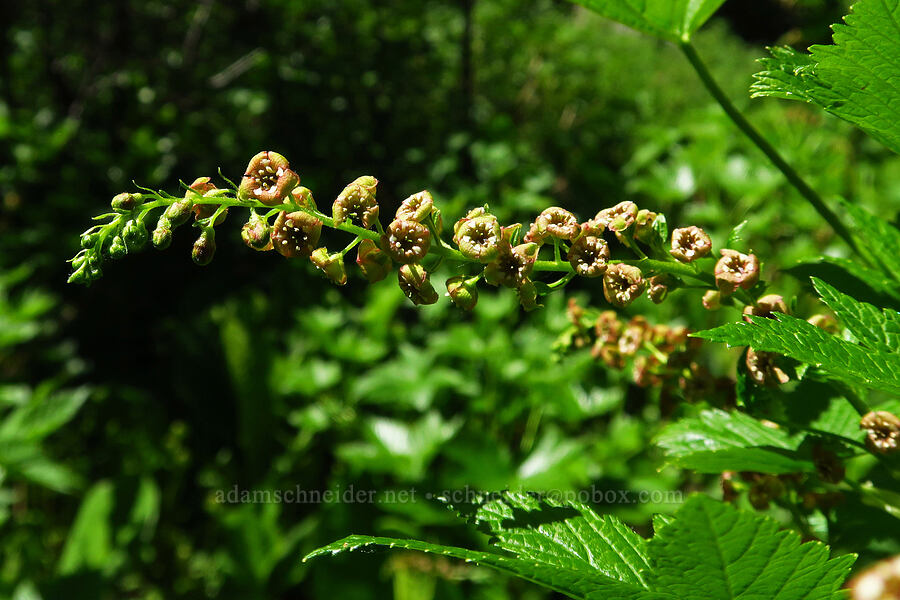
{"points": [[866, 285], [713, 551], [853, 78], [878, 240], [871, 326], [807, 343], [673, 20], [568, 535], [717, 441], [582, 584]]}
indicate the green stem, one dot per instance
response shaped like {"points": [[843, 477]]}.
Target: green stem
{"points": [[750, 131]]}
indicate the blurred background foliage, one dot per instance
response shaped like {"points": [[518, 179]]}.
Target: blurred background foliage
{"points": [[127, 406]]}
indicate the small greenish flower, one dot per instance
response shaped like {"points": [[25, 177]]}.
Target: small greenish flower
{"points": [[117, 248], [690, 243], [416, 285], [463, 292], [643, 227], [589, 256], [619, 218], [513, 264], [302, 196], [735, 270], [658, 289], [406, 241], [331, 264], [357, 203], [296, 234], [712, 300], [256, 233], [622, 284], [416, 208], [372, 261], [763, 368], [882, 431], [554, 222], [478, 238], [205, 247], [268, 179], [765, 306], [478, 211]]}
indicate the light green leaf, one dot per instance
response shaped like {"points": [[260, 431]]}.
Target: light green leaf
{"points": [[673, 20], [581, 584], [878, 240], [709, 550], [713, 551], [878, 329], [43, 415], [807, 343], [90, 544], [717, 441], [568, 535], [854, 78]]}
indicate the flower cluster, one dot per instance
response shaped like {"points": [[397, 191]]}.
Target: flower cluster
{"points": [[628, 249], [660, 356]]}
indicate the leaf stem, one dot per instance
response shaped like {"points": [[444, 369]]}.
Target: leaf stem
{"points": [[751, 132]]}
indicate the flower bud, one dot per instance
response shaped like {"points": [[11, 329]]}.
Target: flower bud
{"points": [[463, 292], [593, 227], [513, 265], [826, 322], [589, 256], [622, 284], [162, 235], [554, 222], [828, 466], [763, 368], [735, 270], [765, 306], [406, 241], [372, 261], [618, 218], [712, 300], [178, 212], [356, 203], [125, 202], [527, 293], [643, 226], [303, 197], [204, 248], [415, 283], [296, 234], [658, 289], [268, 179], [880, 582], [117, 248], [89, 239], [416, 208], [331, 264], [256, 233], [135, 235], [633, 337], [608, 354], [690, 243], [882, 431], [478, 238]]}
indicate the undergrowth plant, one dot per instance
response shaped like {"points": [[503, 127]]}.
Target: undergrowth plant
{"points": [[808, 426]]}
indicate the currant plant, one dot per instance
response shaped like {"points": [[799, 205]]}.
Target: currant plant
{"points": [[809, 425]]}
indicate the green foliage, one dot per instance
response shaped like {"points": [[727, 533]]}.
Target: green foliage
{"points": [[807, 343], [674, 21], [718, 441], [852, 78], [877, 329], [708, 550]]}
